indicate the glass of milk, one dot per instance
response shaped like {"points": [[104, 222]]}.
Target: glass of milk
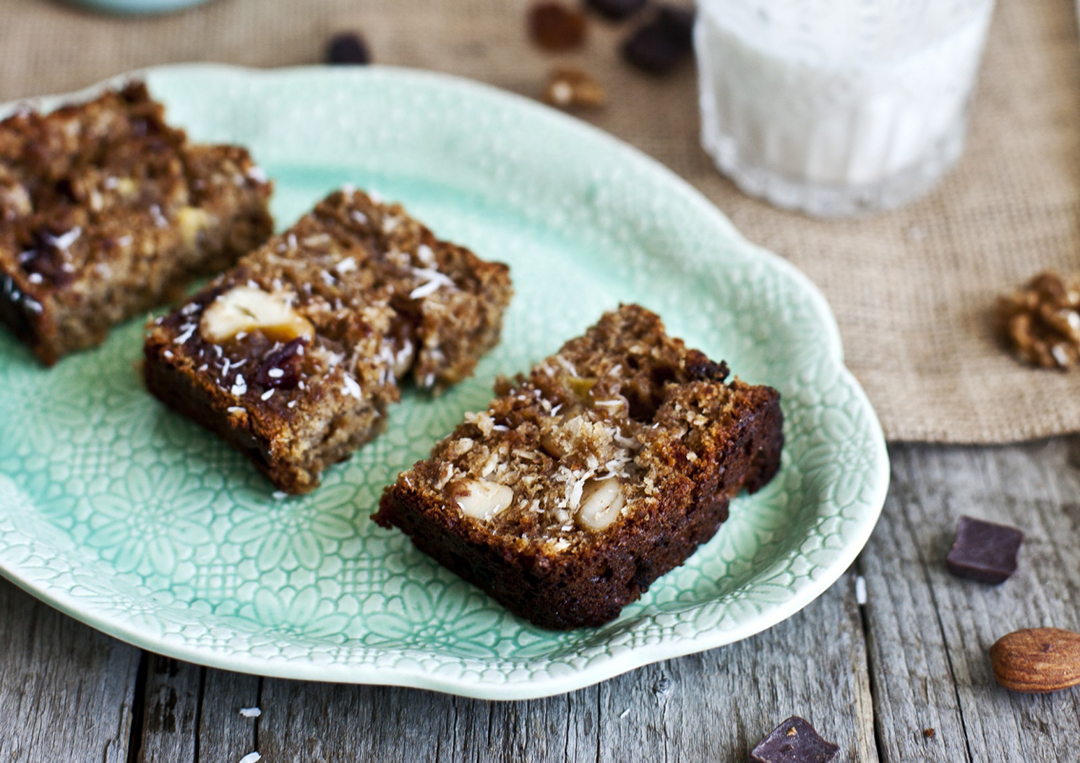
{"points": [[837, 107]]}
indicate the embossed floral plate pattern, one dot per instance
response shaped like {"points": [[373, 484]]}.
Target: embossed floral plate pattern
{"points": [[134, 520]]}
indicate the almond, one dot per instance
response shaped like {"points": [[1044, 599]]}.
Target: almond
{"points": [[601, 502], [1037, 660], [246, 308], [482, 499]]}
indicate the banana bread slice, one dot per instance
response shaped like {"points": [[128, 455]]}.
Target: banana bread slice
{"points": [[585, 481], [293, 355], [107, 211]]}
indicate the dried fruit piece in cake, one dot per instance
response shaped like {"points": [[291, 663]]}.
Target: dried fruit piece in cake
{"points": [[294, 355], [106, 211], [585, 481]]}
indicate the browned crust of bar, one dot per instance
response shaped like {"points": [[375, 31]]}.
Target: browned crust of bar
{"points": [[349, 267], [559, 577], [106, 211]]}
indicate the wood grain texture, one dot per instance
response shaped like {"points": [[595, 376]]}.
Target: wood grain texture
{"points": [[718, 704], [711, 706], [170, 703], [870, 678], [191, 713], [66, 691], [930, 632], [224, 734]]}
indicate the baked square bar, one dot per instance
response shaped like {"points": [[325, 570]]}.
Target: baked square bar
{"points": [[106, 211], [294, 355], [584, 482]]}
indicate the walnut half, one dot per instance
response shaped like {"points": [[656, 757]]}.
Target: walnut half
{"points": [[1041, 322]]}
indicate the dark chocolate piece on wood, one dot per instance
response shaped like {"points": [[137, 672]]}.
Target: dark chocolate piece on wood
{"points": [[794, 741], [348, 48], [616, 10], [661, 44], [984, 551]]}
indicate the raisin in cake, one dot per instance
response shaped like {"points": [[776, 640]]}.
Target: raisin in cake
{"points": [[585, 481], [107, 211], [293, 355]]}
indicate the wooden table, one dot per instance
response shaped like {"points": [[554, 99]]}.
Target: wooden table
{"points": [[903, 677]]}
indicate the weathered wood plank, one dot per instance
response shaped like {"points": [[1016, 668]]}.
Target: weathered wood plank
{"points": [[712, 706], [319, 722], [170, 710], [66, 691], [224, 734], [192, 713], [930, 631], [717, 705]]}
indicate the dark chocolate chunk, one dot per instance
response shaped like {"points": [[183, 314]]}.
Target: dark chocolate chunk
{"points": [[616, 10], [348, 48], [984, 551], [47, 260], [794, 741], [281, 368], [554, 26], [659, 45]]}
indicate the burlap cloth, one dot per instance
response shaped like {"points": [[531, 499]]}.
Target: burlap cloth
{"points": [[911, 289]]}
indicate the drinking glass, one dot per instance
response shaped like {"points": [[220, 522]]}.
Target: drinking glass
{"points": [[837, 107]]}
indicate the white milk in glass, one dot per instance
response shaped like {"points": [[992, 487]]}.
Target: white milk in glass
{"points": [[837, 107]]}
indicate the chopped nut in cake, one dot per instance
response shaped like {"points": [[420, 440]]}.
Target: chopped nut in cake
{"points": [[106, 211], [294, 354], [586, 480]]}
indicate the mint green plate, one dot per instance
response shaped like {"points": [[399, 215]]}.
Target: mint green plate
{"points": [[137, 522], [136, 7]]}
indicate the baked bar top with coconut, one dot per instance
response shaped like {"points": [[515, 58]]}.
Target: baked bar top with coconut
{"points": [[589, 478], [107, 211], [293, 355]]}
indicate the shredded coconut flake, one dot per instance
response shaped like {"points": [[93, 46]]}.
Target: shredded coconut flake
{"points": [[426, 290], [188, 331], [254, 712], [239, 386], [159, 219], [351, 387], [236, 409], [267, 395], [251, 757], [65, 240]]}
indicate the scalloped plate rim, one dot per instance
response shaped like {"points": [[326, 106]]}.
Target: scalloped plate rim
{"points": [[596, 671]]}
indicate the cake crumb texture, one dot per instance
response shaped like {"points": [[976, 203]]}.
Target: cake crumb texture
{"points": [[106, 211], [584, 481], [294, 355]]}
